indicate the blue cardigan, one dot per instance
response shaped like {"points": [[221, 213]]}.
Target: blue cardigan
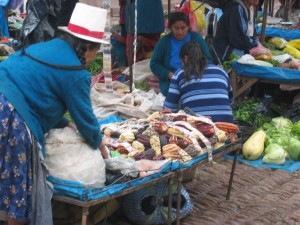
{"points": [[42, 94], [160, 61]]}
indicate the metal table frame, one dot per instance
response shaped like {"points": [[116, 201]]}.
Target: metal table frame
{"points": [[85, 205]]}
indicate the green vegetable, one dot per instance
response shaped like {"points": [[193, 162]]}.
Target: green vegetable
{"points": [[278, 131], [228, 64], [271, 147], [144, 86], [68, 116], [95, 67], [296, 129], [273, 62], [294, 149], [276, 156], [269, 46], [282, 123]]}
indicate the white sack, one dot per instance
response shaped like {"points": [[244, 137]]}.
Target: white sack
{"points": [[69, 157]]}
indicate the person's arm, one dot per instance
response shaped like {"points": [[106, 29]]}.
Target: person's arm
{"points": [[237, 30], [204, 47], [156, 62], [79, 104], [173, 96]]}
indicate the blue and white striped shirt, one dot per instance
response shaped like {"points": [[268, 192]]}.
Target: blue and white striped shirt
{"points": [[209, 96]]}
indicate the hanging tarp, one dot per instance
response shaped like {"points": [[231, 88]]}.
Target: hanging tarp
{"points": [[40, 22], [3, 23]]}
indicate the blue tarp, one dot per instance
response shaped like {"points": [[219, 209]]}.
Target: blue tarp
{"points": [[268, 73], [289, 166], [278, 32], [76, 190]]}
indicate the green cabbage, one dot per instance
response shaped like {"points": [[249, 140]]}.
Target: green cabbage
{"points": [[272, 147], [294, 149], [282, 123], [276, 156], [296, 129]]}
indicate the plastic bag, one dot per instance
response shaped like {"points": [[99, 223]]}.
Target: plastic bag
{"points": [[199, 14], [68, 157], [142, 71], [196, 15]]}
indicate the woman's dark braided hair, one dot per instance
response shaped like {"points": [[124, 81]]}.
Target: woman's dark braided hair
{"points": [[195, 60], [79, 45]]}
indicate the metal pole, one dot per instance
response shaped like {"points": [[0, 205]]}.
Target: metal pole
{"points": [[169, 8], [129, 37], [264, 22]]}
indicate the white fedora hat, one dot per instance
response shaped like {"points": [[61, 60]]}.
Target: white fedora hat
{"points": [[88, 23]]}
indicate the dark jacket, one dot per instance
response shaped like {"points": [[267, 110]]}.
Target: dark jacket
{"points": [[232, 31]]}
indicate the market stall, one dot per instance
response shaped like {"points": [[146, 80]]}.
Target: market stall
{"points": [[179, 140], [244, 76]]}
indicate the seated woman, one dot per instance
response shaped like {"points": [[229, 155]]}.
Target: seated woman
{"points": [[204, 88], [165, 59]]}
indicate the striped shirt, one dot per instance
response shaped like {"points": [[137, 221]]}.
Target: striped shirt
{"points": [[209, 96]]}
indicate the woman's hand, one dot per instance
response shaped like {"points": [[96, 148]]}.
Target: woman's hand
{"points": [[171, 75], [73, 126], [103, 151]]}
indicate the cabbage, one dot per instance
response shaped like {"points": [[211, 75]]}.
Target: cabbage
{"points": [[272, 147], [277, 137], [282, 123], [296, 129], [276, 156], [294, 149]]}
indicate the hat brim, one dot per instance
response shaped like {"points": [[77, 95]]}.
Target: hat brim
{"points": [[92, 39]]}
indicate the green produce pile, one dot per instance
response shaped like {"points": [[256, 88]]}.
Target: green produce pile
{"points": [[274, 141], [95, 67], [144, 86], [227, 65], [282, 133], [250, 112], [273, 49]]}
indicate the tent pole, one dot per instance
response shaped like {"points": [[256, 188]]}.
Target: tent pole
{"points": [[129, 36], [169, 8], [264, 22]]}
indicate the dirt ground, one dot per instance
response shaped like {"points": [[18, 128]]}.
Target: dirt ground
{"points": [[259, 196]]}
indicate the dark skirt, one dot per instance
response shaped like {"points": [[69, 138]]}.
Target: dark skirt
{"points": [[15, 163]]}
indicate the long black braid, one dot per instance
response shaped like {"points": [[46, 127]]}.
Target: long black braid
{"points": [[195, 60], [79, 46]]}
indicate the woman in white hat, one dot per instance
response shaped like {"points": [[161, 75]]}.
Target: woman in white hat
{"points": [[37, 86]]}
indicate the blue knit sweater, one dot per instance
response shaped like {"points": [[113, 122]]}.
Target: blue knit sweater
{"points": [[42, 94], [209, 96], [160, 61]]}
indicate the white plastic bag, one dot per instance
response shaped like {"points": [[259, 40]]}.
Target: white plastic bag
{"points": [[142, 71], [68, 157]]}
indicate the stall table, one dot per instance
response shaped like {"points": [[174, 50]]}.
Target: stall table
{"points": [[217, 154], [85, 205], [243, 76]]}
